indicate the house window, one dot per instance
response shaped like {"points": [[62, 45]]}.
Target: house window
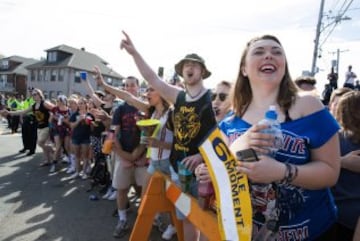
{"points": [[61, 74], [47, 75], [45, 93], [77, 77], [109, 81], [33, 75], [53, 75], [52, 95], [4, 64], [41, 75], [3, 80], [52, 56]]}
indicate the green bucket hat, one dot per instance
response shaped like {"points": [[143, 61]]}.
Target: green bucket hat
{"points": [[195, 58]]}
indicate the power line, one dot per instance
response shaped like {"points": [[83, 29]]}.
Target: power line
{"points": [[320, 28]]}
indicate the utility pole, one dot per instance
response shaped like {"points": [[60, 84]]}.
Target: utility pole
{"points": [[317, 37], [338, 51], [337, 19]]}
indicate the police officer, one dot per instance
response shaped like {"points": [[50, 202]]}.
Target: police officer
{"points": [[29, 126]]}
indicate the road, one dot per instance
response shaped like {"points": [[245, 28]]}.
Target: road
{"points": [[38, 206]]}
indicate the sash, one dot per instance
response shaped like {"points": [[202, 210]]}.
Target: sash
{"points": [[233, 201]]}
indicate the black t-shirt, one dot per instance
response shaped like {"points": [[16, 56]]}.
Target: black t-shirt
{"points": [[99, 127], [126, 116], [41, 115], [82, 130], [192, 122]]}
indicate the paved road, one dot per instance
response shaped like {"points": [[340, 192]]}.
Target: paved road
{"points": [[36, 205]]}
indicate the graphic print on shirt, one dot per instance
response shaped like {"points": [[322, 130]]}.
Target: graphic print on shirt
{"points": [[274, 205], [187, 126], [40, 116]]}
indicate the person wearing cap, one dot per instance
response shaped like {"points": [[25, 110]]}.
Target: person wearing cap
{"points": [[306, 83], [102, 99], [193, 116]]}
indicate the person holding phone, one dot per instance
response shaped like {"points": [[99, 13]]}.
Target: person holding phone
{"points": [[297, 205]]}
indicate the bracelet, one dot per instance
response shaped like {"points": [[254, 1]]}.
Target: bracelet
{"points": [[291, 173]]}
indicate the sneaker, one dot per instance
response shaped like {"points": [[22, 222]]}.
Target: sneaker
{"points": [[22, 150], [158, 222], [65, 159], [169, 232], [88, 169], [84, 176], [108, 193], [75, 175], [121, 229], [128, 209], [112, 196], [52, 168], [70, 170], [30, 153]]}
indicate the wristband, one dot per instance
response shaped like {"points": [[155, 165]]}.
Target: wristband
{"points": [[291, 173]]}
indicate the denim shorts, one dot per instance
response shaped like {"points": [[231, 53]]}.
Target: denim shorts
{"points": [[159, 165], [79, 142], [193, 192]]}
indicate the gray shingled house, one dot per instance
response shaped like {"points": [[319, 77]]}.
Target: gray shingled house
{"points": [[59, 73]]}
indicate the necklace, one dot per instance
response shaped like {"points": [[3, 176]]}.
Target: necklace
{"points": [[196, 95]]}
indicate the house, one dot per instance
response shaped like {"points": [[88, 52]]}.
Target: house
{"points": [[13, 74], [59, 73]]}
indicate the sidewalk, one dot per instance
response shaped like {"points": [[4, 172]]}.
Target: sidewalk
{"points": [[36, 205]]}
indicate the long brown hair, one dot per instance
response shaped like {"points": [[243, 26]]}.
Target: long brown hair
{"points": [[242, 94], [348, 116]]}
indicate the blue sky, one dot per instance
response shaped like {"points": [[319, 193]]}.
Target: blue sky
{"points": [[165, 31]]}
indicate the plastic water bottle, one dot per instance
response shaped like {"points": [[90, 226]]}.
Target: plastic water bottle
{"points": [[274, 129]]}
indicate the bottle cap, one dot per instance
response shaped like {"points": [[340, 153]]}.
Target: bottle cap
{"points": [[271, 113]]}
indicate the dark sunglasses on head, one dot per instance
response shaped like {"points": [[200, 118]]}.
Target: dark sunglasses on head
{"points": [[222, 96]]}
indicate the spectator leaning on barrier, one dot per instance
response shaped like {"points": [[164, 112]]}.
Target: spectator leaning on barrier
{"points": [[193, 116]]}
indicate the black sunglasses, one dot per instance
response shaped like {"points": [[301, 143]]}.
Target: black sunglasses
{"points": [[222, 96]]}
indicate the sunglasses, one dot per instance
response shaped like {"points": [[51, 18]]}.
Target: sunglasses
{"points": [[149, 89], [222, 96]]}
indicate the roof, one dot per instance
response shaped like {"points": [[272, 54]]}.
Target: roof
{"points": [[21, 68], [78, 59]]}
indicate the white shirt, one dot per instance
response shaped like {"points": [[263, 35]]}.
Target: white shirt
{"points": [[165, 135]]}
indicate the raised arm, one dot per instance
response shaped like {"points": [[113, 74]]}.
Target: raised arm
{"points": [[90, 90], [169, 92], [48, 105], [124, 95]]}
